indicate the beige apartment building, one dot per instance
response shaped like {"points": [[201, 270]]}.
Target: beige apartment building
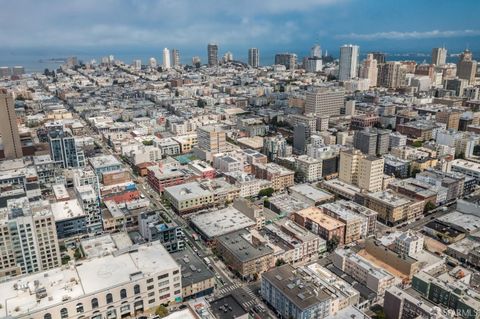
{"points": [[12, 147], [319, 223], [29, 239], [361, 170], [393, 208]]}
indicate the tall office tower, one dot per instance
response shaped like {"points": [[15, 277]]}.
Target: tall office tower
{"points": [[12, 147], [166, 59], [253, 57], [325, 102], [301, 132], [289, 60], [152, 62], [5, 71], [196, 61], [29, 238], [380, 57], [137, 64], [228, 56], [313, 65], [175, 58], [211, 139], [18, 70], [369, 70], [372, 141], [348, 166], [391, 75], [467, 67], [439, 56], [63, 149], [348, 62], [316, 51], [212, 54], [370, 173]]}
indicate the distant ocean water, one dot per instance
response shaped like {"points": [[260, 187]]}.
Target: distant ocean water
{"points": [[38, 61]]}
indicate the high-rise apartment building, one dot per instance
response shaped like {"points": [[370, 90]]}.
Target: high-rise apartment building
{"points": [[362, 170], [228, 56], [348, 166], [391, 75], [166, 59], [439, 56], [12, 147], [348, 62], [380, 57], [212, 54], [63, 149], [467, 67], [325, 102], [369, 70], [372, 141], [370, 173], [175, 58], [28, 237], [276, 146], [289, 60], [253, 57], [211, 139], [196, 61]]}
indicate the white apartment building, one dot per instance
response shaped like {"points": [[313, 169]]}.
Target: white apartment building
{"points": [[310, 167], [111, 286]]}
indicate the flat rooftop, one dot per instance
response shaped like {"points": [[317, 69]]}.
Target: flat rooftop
{"points": [[318, 216], [304, 294], [68, 209], [220, 222], [76, 281], [311, 192], [241, 248], [193, 269]]}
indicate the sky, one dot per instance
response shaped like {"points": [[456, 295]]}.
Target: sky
{"points": [[109, 26]]}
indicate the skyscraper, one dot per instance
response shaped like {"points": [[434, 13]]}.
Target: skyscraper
{"points": [[467, 67], [175, 58], [166, 59], [212, 54], [289, 60], [137, 64], [380, 57], [12, 148], [316, 51], [348, 62], [439, 56], [253, 57], [369, 70]]}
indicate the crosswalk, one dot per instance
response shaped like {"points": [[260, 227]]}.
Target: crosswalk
{"points": [[227, 289]]}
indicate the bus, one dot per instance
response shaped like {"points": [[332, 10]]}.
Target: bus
{"points": [[207, 261]]}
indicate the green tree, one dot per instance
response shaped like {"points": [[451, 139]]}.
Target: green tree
{"points": [[149, 142], [266, 192], [332, 243], [414, 172], [428, 207], [417, 144], [280, 262], [201, 103], [161, 311]]}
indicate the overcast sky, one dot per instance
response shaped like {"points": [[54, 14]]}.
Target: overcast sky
{"points": [[271, 25]]}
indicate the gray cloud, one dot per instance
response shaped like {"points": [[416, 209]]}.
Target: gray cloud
{"points": [[395, 35]]}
